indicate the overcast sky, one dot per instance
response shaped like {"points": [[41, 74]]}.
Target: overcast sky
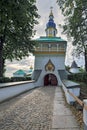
{"points": [[44, 11]]}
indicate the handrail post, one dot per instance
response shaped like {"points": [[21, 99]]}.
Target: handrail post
{"points": [[85, 114]]}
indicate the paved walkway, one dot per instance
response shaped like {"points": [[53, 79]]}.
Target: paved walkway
{"points": [[63, 119], [30, 111], [40, 109]]}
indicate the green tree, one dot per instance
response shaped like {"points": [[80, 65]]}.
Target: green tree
{"points": [[17, 21], [75, 12], [67, 68]]}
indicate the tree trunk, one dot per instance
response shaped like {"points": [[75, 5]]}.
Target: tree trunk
{"points": [[86, 61], [1, 57]]}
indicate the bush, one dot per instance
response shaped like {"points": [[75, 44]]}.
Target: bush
{"points": [[4, 79], [81, 77], [13, 79], [16, 79]]}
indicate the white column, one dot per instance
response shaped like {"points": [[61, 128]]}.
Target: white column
{"points": [[41, 47], [49, 46], [85, 115], [57, 47]]}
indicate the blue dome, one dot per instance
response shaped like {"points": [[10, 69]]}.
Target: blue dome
{"points": [[51, 24]]}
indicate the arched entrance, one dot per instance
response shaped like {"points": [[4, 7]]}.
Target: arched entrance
{"points": [[50, 79]]}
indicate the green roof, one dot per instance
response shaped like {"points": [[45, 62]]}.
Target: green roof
{"points": [[19, 72], [50, 39]]}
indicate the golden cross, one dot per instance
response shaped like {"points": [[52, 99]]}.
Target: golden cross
{"points": [[51, 8]]}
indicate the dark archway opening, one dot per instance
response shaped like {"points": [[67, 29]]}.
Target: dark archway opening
{"points": [[50, 79]]}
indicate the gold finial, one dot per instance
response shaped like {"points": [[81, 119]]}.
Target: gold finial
{"points": [[51, 8]]}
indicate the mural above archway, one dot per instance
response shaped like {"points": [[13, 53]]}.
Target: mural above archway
{"points": [[50, 79], [49, 66]]}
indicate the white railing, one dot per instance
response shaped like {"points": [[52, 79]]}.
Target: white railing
{"points": [[49, 49]]}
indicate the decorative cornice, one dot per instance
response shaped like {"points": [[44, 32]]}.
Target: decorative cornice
{"points": [[50, 52]]}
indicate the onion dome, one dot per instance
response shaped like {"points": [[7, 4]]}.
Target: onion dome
{"points": [[51, 26], [51, 21]]}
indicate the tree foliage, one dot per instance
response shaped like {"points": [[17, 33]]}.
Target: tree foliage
{"points": [[17, 21], [75, 13]]}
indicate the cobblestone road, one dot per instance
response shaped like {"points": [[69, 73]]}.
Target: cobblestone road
{"points": [[30, 111]]}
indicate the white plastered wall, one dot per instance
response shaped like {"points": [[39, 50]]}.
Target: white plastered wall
{"points": [[40, 62]]}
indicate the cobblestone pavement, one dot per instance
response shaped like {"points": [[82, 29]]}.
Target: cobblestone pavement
{"points": [[30, 111]]}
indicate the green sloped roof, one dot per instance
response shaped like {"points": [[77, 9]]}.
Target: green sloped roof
{"points": [[50, 39], [19, 72]]}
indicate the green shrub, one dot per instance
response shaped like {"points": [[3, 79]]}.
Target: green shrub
{"points": [[14, 79], [81, 77], [4, 79]]}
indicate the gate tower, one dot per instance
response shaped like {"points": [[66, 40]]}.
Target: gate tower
{"points": [[49, 66]]}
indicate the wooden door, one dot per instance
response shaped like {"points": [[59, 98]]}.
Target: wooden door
{"points": [[46, 80], [53, 80], [50, 79]]}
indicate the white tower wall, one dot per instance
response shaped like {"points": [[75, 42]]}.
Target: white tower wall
{"points": [[41, 61], [58, 61]]}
